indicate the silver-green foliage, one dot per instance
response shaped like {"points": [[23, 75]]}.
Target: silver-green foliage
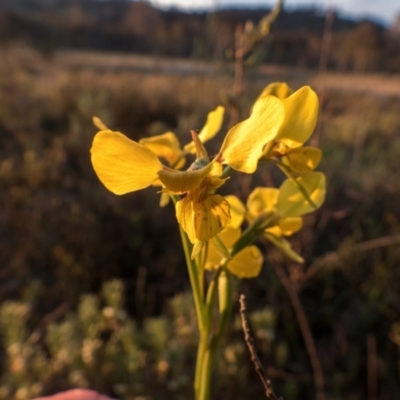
{"points": [[100, 347]]}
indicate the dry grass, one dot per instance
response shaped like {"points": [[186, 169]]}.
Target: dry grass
{"points": [[382, 84]]}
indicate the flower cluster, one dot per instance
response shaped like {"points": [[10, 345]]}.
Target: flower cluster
{"points": [[280, 123]]}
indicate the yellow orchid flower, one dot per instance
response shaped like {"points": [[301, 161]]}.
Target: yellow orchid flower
{"points": [[246, 263], [263, 201], [281, 209], [301, 113], [124, 166]]}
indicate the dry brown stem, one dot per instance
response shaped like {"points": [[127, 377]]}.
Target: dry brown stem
{"points": [[269, 391]]}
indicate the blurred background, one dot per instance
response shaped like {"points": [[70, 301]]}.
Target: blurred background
{"points": [[93, 287]]}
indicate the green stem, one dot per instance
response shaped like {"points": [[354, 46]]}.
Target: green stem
{"points": [[193, 276], [221, 282], [204, 310], [203, 359], [194, 280], [226, 172], [205, 374], [201, 351], [250, 235], [203, 322], [211, 295], [200, 262], [225, 304]]}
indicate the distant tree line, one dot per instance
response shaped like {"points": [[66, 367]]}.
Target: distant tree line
{"points": [[136, 26]]}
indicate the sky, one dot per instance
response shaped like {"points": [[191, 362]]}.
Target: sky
{"points": [[381, 10]]}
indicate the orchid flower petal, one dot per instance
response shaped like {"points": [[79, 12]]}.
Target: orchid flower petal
{"points": [[247, 263], [238, 211], [292, 203], [244, 143], [301, 113], [286, 226], [121, 164], [210, 129], [166, 146], [262, 200], [183, 181], [228, 237], [202, 219], [302, 159], [281, 90]]}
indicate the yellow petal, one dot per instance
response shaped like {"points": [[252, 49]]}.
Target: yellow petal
{"points": [[210, 129], [274, 230], [213, 180], [220, 247], [247, 263], [238, 211], [211, 216], [290, 225], [198, 246], [301, 113], [262, 200], [165, 146], [98, 123], [302, 159], [291, 202], [200, 150], [244, 143], [183, 181], [228, 237], [164, 199], [203, 219], [214, 183], [285, 246], [185, 217], [216, 169], [121, 164], [286, 226], [281, 90]]}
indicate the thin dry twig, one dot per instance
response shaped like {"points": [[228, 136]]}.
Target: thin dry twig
{"points": [[269, 391], [306, 331]]}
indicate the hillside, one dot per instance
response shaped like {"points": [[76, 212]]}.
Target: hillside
{"points": [[137, 27]]}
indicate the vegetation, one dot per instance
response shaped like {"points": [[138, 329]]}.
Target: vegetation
{"points": [[63, 235]]}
